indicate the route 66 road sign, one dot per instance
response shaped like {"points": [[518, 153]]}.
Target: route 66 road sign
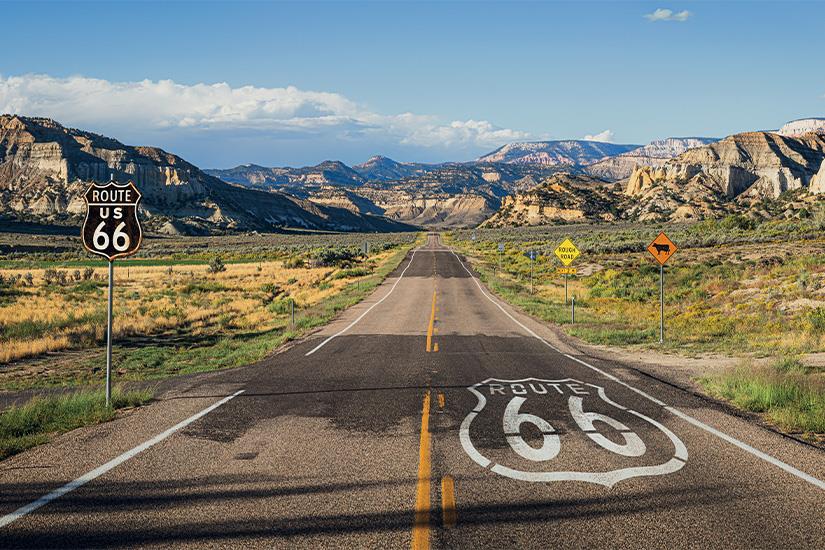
{"points": [[564, 430], [111, 228]]}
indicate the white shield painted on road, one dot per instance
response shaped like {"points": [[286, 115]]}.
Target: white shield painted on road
{"points": [[540, 430]]}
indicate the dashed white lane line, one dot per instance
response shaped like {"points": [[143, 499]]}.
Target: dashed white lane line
{"points": [[114, 463], [352, 324], [699, 424]]}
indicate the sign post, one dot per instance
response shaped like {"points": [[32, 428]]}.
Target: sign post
{"points": [[532, 255], [112, 230], [567, 252], [662, 248], [500, 250]]}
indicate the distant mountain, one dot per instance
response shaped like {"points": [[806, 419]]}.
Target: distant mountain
{"points": [[331, 172], [569, 153], [654, 153], [803, 126], [45, 167], [380, 168]]}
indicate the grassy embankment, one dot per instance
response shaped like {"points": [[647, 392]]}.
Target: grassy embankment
{"points": [[42, 418], [735, 287]]}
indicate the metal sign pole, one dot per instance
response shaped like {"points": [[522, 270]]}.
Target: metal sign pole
{"points": [[109, 336], [565, 288], [531, 274], [662, 303], [573, 311]]}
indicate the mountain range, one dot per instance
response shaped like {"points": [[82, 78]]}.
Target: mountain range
{"points": [[45, 166]]}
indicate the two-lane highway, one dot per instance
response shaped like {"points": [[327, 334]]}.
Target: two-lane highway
{"points": [[430, 415]]}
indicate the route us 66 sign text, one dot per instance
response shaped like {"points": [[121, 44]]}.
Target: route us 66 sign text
{"points": [[111, 228], [577, 433]]}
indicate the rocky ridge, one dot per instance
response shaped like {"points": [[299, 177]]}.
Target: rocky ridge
{"points": [[564, 153], [653, 154], [738, 172], [44, 168]]}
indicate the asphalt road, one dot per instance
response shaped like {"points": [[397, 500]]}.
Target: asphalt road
{"points": [[430, 415]]}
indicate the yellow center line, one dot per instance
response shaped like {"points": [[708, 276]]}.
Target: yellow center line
{"points": [[421, 527], [431, 327], [448, 512]]}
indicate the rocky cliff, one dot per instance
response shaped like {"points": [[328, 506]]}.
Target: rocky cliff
{"points": [[738, 171], [44, 168], [803, 126], [561, 198], [654, 154]]}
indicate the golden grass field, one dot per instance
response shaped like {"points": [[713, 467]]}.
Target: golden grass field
{"points": [[154, 299]]}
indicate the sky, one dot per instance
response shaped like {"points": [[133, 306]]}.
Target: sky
{"points": [[280, 83]]}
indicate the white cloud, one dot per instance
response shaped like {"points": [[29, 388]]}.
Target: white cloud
{"points": [[663, 14], [165, 105], [606, 136]]}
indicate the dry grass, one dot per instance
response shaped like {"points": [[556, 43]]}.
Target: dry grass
{"points": [[152, 300]]}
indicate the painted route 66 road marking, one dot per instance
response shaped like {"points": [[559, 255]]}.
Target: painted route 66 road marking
{"points": [[614, 430]]}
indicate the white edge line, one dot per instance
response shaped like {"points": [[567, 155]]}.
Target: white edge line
{"points": [[352, 324], [115, 462], [697, 423]]}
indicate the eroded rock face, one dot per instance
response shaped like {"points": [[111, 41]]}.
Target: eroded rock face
{"points": [[42, 163], [560, 198], [818, 181], [749, 165], [803, 126], [654, 154]]}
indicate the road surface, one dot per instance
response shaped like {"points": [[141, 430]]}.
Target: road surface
{"points": [[429, 415]]}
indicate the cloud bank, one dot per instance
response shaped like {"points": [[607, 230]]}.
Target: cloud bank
{"points": [[663, 14], [137, 108], [606, 136]]}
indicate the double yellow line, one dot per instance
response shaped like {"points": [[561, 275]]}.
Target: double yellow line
{"points": [[431, 328], [421, 525]]}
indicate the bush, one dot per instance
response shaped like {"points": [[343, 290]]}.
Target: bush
{"points": [[216, 265], [280, 307], [339, 257], [271, 291], [816, 320], [293, 262], [738, 221], [352, 272], [88, 273]]}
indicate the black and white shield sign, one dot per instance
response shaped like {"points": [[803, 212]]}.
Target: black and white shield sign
{"points": [[564, 430], [111, 228]]}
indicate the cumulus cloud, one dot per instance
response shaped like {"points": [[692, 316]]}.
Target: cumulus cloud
{"points": [[663, 14], [166, 105], [606, 136]]}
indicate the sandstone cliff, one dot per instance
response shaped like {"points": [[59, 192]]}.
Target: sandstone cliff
{"points": [[562, 198], [654, 154], [739, 170]]}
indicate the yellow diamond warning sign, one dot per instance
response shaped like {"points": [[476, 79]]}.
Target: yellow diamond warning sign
{"points": [[662, 248], [567, 252]]}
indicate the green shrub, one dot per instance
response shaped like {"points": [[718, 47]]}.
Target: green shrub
{"points": [[816, 320], [352, 272], [216, 265]]}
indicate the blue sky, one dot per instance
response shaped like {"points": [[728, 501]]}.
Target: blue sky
{"points": [[274, 83]]}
